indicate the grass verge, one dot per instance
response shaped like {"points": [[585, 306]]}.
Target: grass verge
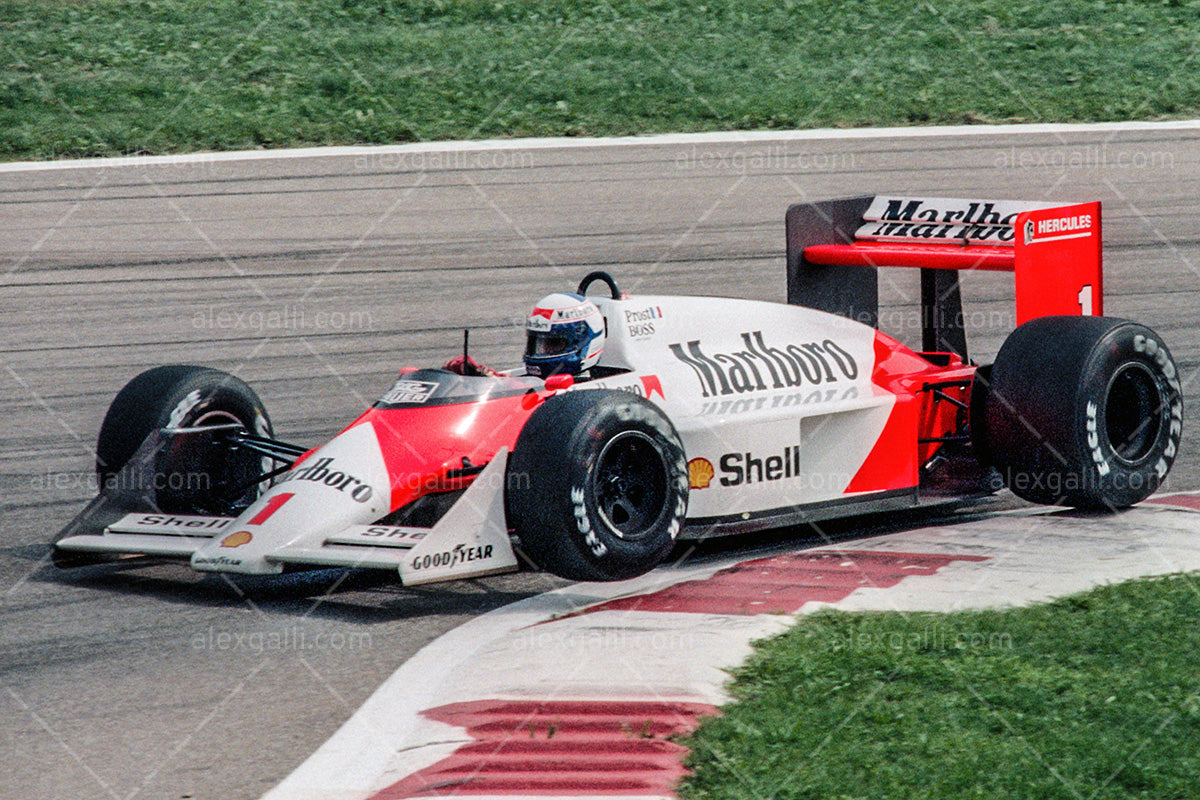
{"points": [[1094, 696], [149, 76]]}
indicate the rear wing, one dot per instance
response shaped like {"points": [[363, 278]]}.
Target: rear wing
{"points": [[834, 248]]}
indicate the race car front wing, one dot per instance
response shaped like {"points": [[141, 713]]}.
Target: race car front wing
{"points": [[470, 540]]}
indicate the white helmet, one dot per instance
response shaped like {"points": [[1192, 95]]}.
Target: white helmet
{"points": [[565, 335]]}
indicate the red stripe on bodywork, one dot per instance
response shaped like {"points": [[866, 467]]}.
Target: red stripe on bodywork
{"points": [[558, 747], [270, 508], [897, 453], [892, 462], [653, 384], [783, 584]]}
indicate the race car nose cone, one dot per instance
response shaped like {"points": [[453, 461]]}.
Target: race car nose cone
{"points": [[343, 483]]}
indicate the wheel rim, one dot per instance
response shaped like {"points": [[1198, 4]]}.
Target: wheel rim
{"points": [[1133, 413], [630, 481], [209, 475], [211, 419]]}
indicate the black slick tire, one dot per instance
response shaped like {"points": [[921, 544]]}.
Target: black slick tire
{"points": [[597, 486], [179, 396], [1082, 411]]}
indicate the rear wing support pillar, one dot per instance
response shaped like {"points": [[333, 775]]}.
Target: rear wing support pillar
{"points": [[853, 291], [941, 313]]}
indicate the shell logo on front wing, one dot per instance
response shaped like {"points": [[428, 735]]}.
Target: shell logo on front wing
{"points": [[237, 539]]}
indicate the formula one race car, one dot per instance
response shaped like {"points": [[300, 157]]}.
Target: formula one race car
{"points": [[698, 416]]}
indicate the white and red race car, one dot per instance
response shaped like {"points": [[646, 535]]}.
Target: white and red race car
{"points": [[704, 416]]}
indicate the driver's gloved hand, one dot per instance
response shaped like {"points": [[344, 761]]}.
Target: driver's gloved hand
{"points": [[465, 365]]}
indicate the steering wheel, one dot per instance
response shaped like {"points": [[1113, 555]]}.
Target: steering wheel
{"points": [[599, 275]]}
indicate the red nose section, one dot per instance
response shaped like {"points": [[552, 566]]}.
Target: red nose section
{"points": [[424, 448]]}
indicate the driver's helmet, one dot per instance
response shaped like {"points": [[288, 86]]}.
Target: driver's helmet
{"points": [[565, 335]]}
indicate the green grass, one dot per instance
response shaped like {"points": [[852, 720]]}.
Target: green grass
{"points": [[1094, 696], [149, 76]]}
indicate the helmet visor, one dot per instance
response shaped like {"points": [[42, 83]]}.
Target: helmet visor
{"points": [[562, 339], [550, 345]]}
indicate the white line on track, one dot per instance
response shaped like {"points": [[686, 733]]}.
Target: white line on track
{"points": [[668, 139]]}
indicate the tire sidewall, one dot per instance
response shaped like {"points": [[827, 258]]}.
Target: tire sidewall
{"points": [[176, 396], [602, 542], [1108, 479], [553, 491]]}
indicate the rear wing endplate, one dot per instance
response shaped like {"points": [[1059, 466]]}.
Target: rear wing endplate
{"points": [[835, 247]]}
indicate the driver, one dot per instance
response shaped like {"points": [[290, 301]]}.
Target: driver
{"points": [[564, 335]]}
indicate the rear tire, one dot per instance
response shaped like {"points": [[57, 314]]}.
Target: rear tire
{"points": [[182, 396], [1082, 411], [597, 486]]}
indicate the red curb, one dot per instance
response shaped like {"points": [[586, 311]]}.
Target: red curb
{"points": [[612, 748], [1189, 501], [783, 584], [555, 747]]}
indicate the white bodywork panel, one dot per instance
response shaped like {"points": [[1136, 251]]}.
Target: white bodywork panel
{"points": [[774, 403]]}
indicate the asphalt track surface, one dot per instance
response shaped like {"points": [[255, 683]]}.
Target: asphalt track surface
{"points": [[315, 277]]}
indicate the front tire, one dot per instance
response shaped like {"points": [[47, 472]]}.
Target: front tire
{"points": [[1083, 411], [597, 487], [183, 396]]}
